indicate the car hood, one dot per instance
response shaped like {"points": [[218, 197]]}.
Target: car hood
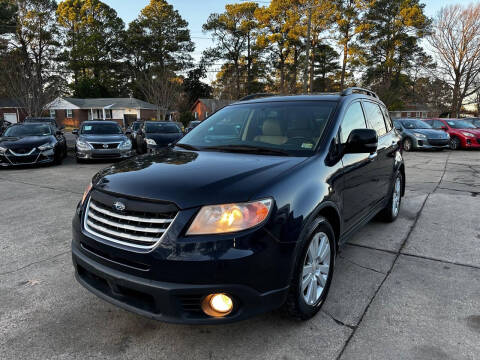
{"points": [[103, 138], [164, 139], [26, 142], [190, 178], [431, 133]]}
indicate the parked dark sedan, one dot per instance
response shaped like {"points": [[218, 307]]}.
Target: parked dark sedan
{"points": [[43, 120], [417, 134], [154, 135], [217, 229], [32, 143], [101, 140]]}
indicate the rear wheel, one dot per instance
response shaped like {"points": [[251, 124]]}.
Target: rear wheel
{"points": [[454, 143], [313, 272], [391, 211], [407, 144]]}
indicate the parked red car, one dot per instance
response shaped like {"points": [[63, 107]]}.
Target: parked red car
{"points": [[462, 133]]}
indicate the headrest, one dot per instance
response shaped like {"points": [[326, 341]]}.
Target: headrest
{"points": [[271, 128]]}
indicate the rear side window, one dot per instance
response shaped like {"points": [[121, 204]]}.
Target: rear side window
{"points": [[375, 118], [353, 119], [437, 124]]}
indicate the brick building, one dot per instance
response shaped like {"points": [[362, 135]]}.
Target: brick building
{"points": [[202, 108], [11, 110]]}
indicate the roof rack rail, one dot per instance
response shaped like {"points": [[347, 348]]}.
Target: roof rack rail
{"points": [[255, 96], [359, 90]]}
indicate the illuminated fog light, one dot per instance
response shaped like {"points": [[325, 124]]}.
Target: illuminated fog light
{"points": [[217, 305]]}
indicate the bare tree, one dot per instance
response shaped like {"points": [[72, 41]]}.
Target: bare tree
{"points": [[456, 44], [161, 88]]}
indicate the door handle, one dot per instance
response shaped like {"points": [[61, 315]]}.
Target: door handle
{"points": [[373, 156]]}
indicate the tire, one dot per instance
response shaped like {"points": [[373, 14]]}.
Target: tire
{"points": [[58, 158], [407, 145], [297, 304], [79, 161], [455, 143], [391, 211]]}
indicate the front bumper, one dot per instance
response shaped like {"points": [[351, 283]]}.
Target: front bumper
{"points": [[37, 157], [99, 154], [471, 143], [169, 302], [431, 143]]}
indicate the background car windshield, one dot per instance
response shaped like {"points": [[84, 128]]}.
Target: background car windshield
{"points": [[415, 124], [457, 124], [101, 129], [136, 126], [161, 128], [29, 130], [293, 127], [475, 122]]}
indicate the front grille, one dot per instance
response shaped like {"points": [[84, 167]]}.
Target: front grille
{"points": [[100, 146], [132, 228], [22, 152], [105, 156], [438, 142]]}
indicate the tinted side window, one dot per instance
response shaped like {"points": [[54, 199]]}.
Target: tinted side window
{"points": [[438, 124], [352, 120], [388, 120], [375, 118]]}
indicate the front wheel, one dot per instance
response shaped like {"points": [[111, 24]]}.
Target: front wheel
{"points": [[454, 143], [313, 272], [407, 144]]}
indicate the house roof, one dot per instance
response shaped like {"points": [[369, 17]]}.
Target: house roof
{"points": [[9, 103], [213, 104], [110, 103]]}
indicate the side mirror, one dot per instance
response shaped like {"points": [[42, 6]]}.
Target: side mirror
{"points": [[444, 128], [58, 132], [361, 141], [75, 131], [128, 132]]}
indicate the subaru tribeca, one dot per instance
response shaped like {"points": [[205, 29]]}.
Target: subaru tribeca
{"points": [[245, 213]]}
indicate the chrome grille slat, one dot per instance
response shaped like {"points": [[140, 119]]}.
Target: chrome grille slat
{"points": [[125, 226], [128, 217], [123, 235], [142, 230]]}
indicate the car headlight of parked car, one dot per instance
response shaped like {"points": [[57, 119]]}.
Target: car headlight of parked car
{"points": [[47, 146], [227, 218], [420, 136], [126, 145], [468, 134], [150, 142], [3, 150], [83, 145]]}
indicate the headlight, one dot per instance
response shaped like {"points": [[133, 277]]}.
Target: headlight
{"points": [[3, 150], [150, 142], [126, 145], [219, 219], [468, 134], [45, 147], [87, 191], [418, 135], [83, 145]]}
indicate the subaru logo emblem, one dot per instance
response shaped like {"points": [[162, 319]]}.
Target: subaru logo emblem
{"points": [[105, 146], [119, 206]]}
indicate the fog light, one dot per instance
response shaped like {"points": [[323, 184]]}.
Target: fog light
{"points": [[217, 305]]}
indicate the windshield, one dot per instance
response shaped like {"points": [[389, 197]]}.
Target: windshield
{"points": [[415, 124], [161, 128], [136, 126], [290, 127], [29, 130], [460, 124], [475, 122], [101, 129]]}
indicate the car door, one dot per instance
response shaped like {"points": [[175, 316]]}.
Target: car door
{"points": [[384, 161], [358, 185]]}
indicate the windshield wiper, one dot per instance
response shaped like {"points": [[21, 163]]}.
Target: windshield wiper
{"points": [[248, 149], [186, 146]]}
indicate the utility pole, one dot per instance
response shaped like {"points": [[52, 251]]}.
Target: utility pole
{"points": [[307, 55]]}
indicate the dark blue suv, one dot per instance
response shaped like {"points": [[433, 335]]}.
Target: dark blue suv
{"points": [[244, 214]]}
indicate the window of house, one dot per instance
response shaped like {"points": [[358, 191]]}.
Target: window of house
{"points": [[69, 113], [375, 118], [52, 113], [108, 114], [196, 115], [352, 120]]}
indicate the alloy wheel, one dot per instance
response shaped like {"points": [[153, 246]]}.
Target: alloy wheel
{"points": [[396, 196], [407, 145], [316, 268]]}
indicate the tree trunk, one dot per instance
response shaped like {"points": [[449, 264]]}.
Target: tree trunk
{"points": [[344, 66]]}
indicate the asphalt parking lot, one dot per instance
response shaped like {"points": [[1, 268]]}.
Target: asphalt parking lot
{"points": [[407, 290]]}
